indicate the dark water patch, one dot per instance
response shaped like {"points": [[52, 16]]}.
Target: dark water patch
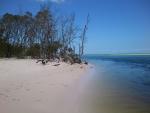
{"points": [[135, 60]]}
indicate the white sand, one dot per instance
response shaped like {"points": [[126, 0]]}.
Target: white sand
{"points": [[27, 87]]}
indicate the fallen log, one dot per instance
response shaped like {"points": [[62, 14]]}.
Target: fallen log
{"points": [[43, 61]]}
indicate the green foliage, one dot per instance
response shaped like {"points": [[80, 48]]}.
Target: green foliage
{"points": [[7, 50], [34, 51], [53, 48], [18, 51], [3, 46]]}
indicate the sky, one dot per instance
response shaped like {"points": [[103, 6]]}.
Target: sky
{"points": [[116, 26]]}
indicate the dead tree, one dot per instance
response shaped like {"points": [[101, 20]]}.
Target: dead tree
{"points": [[83, 37]]}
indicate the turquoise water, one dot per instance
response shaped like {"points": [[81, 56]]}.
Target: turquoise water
{"points": [[120, 84]]}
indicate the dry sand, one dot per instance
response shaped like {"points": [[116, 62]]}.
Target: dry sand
{"points": [[28, 87]]}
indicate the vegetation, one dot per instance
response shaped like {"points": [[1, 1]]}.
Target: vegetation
{"points": [[41, 36]]}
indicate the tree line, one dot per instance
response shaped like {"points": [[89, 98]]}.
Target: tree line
{"points": [[41, 36]]}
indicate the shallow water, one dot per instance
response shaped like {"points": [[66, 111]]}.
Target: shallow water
{"points": [[119, 85]]}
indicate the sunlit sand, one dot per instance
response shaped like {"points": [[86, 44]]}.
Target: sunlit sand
{"points": [[28, 87]]}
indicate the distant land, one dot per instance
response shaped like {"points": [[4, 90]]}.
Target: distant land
{"points": [[131, 54], [121, 54]]}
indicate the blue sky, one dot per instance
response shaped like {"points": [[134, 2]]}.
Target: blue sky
{"points": [[116, 26]]}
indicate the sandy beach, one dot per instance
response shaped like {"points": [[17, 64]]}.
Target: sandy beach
{"points": [[28, 87]]}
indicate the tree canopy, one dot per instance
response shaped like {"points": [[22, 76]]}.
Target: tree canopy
{"points": [[38, 36]]}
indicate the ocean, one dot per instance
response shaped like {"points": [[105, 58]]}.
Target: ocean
{"points": [[119, 84]]}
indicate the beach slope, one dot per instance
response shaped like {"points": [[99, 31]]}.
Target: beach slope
{"points": [[28, 87]]}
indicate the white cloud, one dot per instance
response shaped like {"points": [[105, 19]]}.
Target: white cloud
{"points": [[56, 1]]}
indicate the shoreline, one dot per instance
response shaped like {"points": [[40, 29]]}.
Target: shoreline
{"points": [[28, 87]]}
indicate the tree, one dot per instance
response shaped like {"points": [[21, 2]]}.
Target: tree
{"points": [[68, 32], [83, 37], [45, 30]]}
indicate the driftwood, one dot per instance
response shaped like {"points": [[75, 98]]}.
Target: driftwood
{"points": [[44, 61], [56, 64], [85, 62], [71, 58]]}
